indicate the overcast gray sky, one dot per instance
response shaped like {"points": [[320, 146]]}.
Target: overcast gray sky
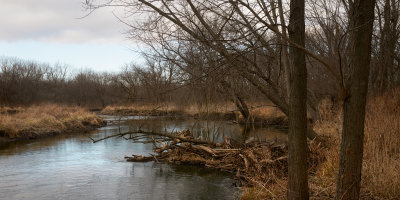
{"points": [[51, 31]]}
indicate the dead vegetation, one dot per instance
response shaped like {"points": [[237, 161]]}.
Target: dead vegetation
{"points": [[252, 163], [261, 114], [381, 161], [241, 159], [168, 109], [262, 167], [45, 119], [140, 110]]}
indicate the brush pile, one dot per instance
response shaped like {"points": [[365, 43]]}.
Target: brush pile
{"points": [[252, 162]]}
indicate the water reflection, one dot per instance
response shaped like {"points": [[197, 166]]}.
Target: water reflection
{"points": [[72, 167], [208, 130]]}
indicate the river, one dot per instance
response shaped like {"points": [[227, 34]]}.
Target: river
{"points": [[70, 166]]}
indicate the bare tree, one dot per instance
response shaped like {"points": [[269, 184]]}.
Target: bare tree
{"points": [[298, 170], [389, 35], [243, 33], [361, 17]]}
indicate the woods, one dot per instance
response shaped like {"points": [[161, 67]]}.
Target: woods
{"points": [[242, 35], [321, 64]]}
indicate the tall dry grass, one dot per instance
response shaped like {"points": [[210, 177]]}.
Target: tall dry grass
{"points": [[224, 109], [381, 161], [167, 108], [45, 119], [381, 166], [265, 112]]}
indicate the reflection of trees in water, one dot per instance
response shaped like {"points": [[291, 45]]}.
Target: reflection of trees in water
{"points": [[165, 181], [213, 130], [204, 129], [21, 146], [98, 171]]}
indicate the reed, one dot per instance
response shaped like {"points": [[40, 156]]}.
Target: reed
{"points": [[44, 119], [381, 161]]}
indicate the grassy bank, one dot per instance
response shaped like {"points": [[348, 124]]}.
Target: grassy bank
{"points": [[168, 109], [381, 162], [42, 120], [264, 114]]}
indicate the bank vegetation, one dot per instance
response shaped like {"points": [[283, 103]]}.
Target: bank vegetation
{"points": [[209, 52], [381, 161], [44, 120]]}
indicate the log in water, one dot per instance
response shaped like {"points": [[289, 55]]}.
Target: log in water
{"points": [[72, 167]]}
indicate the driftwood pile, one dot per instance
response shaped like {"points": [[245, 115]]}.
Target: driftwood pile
{"points": [[252, 163]]}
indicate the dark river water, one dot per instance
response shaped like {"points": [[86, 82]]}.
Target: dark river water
{"points": [[72, 167]]}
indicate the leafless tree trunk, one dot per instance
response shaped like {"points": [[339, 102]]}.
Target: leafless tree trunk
{"points": [[237, 99], [361, 17], [298, 170], [285, 55], [388, 40]]}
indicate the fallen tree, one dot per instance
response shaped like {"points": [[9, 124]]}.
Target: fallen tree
{"points": [[254, 162]]}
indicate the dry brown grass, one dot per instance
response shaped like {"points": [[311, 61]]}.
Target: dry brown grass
{"points": [[381, 162], [127, 109], [262, 191], [10, 110], [169, 108], [265, 113], [45, 119], [381, 166]]}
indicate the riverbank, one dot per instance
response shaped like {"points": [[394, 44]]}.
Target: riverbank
{"points": [[264, 115], [71, 166], [44, 120], [380, 172]]}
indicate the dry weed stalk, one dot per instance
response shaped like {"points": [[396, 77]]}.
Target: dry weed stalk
{"points": [[45, 119]]}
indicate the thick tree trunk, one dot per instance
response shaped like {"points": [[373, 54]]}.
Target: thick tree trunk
{"points": [[361, 17], [298, 169]]}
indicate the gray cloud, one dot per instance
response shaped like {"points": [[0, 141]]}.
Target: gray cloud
{"points": [[57, 21]]}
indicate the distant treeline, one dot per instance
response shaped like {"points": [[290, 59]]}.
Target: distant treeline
{"points": [[27, 82]]}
